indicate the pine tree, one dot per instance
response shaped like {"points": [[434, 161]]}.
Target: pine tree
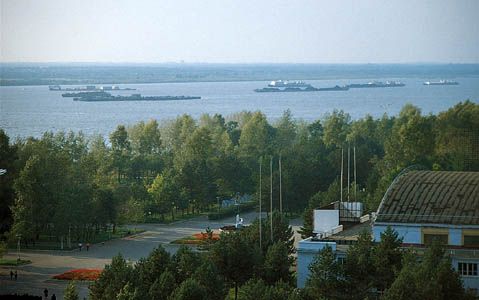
{"points": [[71, 292]]}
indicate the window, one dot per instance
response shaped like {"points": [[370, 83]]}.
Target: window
{"points": [[467, 269], [430, 238], [471, 240], [435, 234]]}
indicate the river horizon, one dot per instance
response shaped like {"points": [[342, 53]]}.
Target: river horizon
{"points": [[32, 110]]}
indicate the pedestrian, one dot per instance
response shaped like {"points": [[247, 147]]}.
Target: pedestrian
{"points": [[87, 246], [11, 275], [54, 297], [16, 274], [80, 245], [45, 293]]}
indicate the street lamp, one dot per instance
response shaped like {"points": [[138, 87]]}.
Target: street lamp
{"points": [[19, 236]]}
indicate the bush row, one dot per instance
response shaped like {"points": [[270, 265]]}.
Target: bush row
{"points": [[231, 211]]}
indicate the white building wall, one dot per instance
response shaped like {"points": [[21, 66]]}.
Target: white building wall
{"points": [[470, 282]]}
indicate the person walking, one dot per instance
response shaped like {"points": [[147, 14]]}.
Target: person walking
{"points": [[11, 275], [87, 246], [16, 275], [45, 293], [80, 245], [54, 297]]}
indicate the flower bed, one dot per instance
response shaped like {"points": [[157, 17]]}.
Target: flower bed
{"points": [[197, 239], [202, 236], [80, 274]]}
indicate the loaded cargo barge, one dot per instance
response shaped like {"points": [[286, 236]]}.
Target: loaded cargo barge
{"points": [[134, 97]]}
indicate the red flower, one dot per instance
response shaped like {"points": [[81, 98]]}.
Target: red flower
{"points": [[80, 274]]}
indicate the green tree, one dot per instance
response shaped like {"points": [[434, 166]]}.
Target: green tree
{"points": [[456, 132], [163, 193], [148, 270], [71, 292], [359, 267], [255, 139], [387, 257], [128, 292], [433, 278], [121, 148], [282, 232], [112, 280], [185, 263], [307, 229], [285, 132], [163, 286], [411, 141], [336, 128], [277, 264], [234, 258], [207, 275], [326, 279], [8, 157], [189, 289], [257, 289]]}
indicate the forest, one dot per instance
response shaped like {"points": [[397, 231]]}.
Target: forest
{"points": [[68, 183]]}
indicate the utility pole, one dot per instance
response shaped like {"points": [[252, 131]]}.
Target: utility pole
{"points": [[260, 185], [342, 168], [280, 189], [19, 236], [355, 182], [271, 196], [349, 160]]}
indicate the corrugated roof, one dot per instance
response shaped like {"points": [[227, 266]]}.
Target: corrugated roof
{"points": [[440, 197]]}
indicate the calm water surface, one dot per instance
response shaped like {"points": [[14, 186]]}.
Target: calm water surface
{"points": [[32, 110]]}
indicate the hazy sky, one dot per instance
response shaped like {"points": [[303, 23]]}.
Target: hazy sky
{"points": [[240, 31]]}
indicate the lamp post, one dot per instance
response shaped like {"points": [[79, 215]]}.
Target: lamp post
{"points": [[237, 201], [19, 236]]}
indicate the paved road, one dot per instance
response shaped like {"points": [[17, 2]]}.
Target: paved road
{"points": [[35, 277]]}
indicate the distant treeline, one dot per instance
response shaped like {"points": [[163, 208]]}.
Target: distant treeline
{"points": [[66, 182], [78, 73]]}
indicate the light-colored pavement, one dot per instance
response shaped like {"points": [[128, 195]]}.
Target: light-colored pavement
{"points": [[35, 277]]}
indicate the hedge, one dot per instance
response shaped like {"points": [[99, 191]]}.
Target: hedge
{"points": [[231, 211]]}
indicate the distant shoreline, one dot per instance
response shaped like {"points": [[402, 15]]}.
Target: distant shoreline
{"points": [[28, 74]]}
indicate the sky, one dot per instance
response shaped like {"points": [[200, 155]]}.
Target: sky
{"points": [[230, 31]]}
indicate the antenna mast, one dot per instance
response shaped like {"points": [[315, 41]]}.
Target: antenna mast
{"points": [[342, 163], [271, 196], [355, 182], [260, 227], [349, 159], [280, 189]]}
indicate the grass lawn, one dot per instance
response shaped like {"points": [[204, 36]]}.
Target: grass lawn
{"points": [[52, 243], [156, 219], [14, 262]]}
